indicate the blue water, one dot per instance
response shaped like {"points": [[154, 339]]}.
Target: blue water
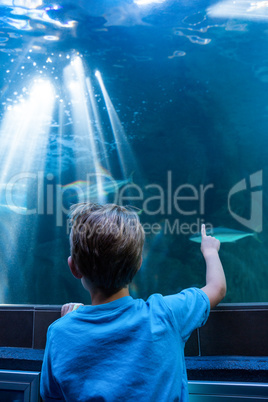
{"points": [[185, 115]]}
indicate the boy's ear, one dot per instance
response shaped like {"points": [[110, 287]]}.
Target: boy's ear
{"points": [[74, 270]]}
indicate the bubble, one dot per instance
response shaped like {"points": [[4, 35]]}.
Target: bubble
{"points": [[194, 38], [40, 26], [177, 53], [51, 37], [198, 40], [14, 35], [194, 19], [50, 176], [233, 26], [179, 33]]}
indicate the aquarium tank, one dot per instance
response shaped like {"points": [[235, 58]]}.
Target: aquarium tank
{"points": [[160, 105]]}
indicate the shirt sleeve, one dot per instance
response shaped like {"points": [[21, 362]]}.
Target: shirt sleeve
{"points": [[190, 309], [49, 389]]}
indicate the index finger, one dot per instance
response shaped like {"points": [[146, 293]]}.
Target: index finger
{"points": [[203, 230]]}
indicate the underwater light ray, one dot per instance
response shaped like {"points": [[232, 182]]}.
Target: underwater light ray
{"points": [[80, 97], [42, 104], [40, 107], [60, 132], [13, 126], [17, 66], [9, 232], [27, 126], [123, 148], [25, 144], [83, 122], [97, 122]]}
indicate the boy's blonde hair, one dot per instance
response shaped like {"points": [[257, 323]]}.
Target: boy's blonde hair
{"points": [[106, 244]]}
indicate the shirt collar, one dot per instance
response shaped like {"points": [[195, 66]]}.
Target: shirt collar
{"points": [[107, 306]]}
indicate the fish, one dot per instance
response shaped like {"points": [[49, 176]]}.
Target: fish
{"points": [[224, 235]]}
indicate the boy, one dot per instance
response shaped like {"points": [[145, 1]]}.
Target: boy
{"points": [[118, 348]]}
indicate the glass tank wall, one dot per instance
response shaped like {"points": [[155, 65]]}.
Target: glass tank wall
{"points": [[158, 104]]}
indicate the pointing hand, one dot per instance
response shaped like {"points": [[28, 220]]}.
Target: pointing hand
{"points": [[209, 244]]}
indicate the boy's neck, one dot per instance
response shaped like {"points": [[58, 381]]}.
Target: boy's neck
{"points": [[97, 297]]}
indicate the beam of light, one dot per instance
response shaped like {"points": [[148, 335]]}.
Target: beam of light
{"points": [[123, 148], [244, 9], [24, 137], [16, 68], [60, 130], [7, 245], [97, 123], [83, 119], [25, 129]]}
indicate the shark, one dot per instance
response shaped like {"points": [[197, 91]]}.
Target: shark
{"points": [[224, 235]]}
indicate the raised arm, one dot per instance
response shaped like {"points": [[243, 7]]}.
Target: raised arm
{"points": [[215, 279]]}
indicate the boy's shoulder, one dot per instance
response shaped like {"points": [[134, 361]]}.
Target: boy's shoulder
{"points": [[157, 303], [61, 322]]}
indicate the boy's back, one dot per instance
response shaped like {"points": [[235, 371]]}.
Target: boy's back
{"points": [[127, 349], [120, 349]]}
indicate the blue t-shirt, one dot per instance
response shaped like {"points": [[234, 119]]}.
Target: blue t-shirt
{"points": [[125, 350]]}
